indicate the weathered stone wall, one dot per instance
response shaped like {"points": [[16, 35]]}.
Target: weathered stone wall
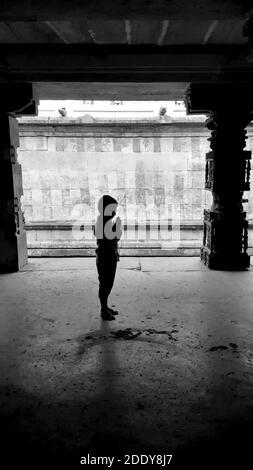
{"points": [[155, 171]]}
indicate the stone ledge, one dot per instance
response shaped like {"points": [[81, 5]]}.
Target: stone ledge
{"points": [[191, 225], [136, 252], [68, 226]]}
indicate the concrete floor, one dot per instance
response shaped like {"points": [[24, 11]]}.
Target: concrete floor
{"points": [[172, 374]]}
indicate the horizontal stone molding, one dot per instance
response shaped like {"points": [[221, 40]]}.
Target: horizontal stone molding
{"points": [[89, 253], [69, 225], [75, 128]]}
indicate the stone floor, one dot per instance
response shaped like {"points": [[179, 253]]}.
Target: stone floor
{"points": [[173, 374]]}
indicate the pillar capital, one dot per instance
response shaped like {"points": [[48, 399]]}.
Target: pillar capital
{"points": [[17, 98], [222, 98]]}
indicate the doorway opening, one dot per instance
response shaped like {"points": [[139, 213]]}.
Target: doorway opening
{"points": [[148, 154]]}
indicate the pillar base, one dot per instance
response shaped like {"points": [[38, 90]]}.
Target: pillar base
{"points": [[225, 262]]}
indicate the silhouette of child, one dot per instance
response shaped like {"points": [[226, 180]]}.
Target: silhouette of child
{"points": [[107, 232]]}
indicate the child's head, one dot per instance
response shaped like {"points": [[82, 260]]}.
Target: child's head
{"points": [[107, 206]]}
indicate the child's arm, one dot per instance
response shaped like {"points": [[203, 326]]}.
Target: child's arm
{"points": [[98, 228], [118, 228]]}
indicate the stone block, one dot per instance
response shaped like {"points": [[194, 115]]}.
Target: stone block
{"points": [[197, 212], [123, 144], [79, 144], [175, 162], [37, 199], [198, 179], [112, 180], [56, 196], [107, 144], [187, 212], [27, 197], [197, 163], [159, 196], [51, 144], [157, 144], [168, 211], [26, 177], [168, 179], [66, 201], [146, 144], [130, 179], [34, 180], [85, 195], [66, 212], [36, 142], [98, 144], [46, 197], [170, 195], [31, 236], [47, 213], [75, 195], [198, 196], [179, 195], [136, 144], [89, 144], [28, 212], [178, 181], [204, 147], [187, 196], [180, 144], [120, 179], [208, 198], [45, 180], [188, 180], [167, 145], [37, 213], [57, 212], [159, 179], [189, 161]]}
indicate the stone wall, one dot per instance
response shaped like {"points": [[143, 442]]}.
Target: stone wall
{"points": [[155, 171]]}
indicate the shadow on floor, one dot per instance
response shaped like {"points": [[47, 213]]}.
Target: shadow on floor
{"points": [[39, 434]]}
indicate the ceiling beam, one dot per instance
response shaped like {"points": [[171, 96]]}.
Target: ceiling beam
{"points": [[128, 30], [109, 91], [57, 31], [210, 31], [57, 10], [164, 30], [62, 62]]}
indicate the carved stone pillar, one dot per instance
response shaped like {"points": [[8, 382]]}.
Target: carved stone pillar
{"points": [[225, 239], [13, 249], [248, 32]]}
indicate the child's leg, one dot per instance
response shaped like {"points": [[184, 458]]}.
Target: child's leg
{"points": [[104, 288], [106, 274], [110, 275], [102, 284]]}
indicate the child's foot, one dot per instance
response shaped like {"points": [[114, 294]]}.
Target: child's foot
{"points": [[114, 312], [106, 315]]}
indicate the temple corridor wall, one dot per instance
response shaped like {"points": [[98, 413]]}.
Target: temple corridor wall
{"points": [[155, 171]]}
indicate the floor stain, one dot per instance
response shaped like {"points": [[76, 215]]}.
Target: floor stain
{"points": [[218, 348], [233, 347], [95, 337], [127, 334]]}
